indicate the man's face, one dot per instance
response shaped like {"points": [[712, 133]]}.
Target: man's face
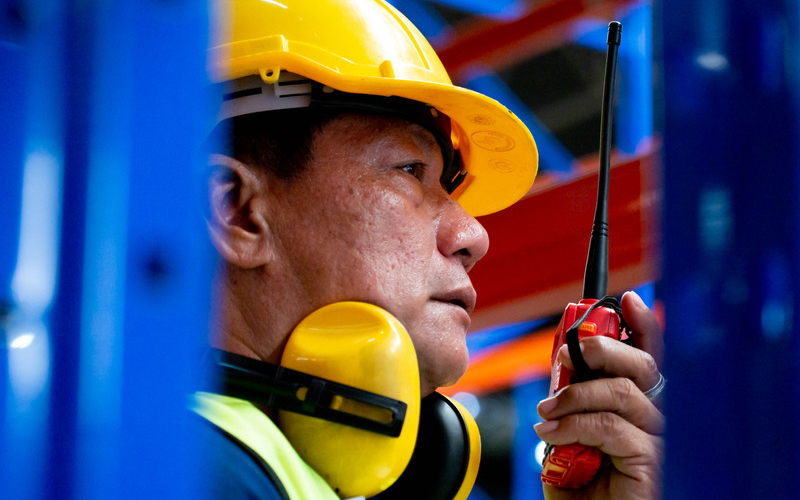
{"points": [[369, 221]]}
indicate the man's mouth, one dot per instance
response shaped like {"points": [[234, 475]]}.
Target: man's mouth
{"points": [[462, 297]]}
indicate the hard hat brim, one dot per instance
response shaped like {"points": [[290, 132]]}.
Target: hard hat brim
{"points": [[497, 149]]}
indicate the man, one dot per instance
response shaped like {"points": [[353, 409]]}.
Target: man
{"points": [[355, 173]]}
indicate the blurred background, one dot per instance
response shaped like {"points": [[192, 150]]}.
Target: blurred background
{"points": [[103, 104]]}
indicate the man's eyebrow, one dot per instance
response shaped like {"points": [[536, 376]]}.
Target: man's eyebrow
{"points": [[424, 137]]}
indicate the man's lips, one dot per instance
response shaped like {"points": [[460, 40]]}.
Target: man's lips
{"points": [[463, 297]]}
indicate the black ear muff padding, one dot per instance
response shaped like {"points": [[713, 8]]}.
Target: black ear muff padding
{"points": [[441, 455]]}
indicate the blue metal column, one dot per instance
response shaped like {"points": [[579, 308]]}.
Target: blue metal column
{"points": [[145, 265], [528, 450], [633, 115], [32, 150], [111, 276], [730, 127]]}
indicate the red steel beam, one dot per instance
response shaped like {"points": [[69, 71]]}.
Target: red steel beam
{"points": [[498, 44], [537, 251]]}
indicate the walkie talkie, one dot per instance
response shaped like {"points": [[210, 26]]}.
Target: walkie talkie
{"points": [[575, 465]]}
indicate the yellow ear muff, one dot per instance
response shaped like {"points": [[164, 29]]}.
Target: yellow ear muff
{"points": [[473, 456], [448, 451], [362, 346]]}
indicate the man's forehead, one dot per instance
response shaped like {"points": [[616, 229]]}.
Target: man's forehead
{"points": [[379, 126]]}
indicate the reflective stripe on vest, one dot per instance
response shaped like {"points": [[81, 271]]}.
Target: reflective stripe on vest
{"points": [[248, 424]]}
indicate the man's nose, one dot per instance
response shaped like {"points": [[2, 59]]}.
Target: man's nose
{"points": [[461, 236]]}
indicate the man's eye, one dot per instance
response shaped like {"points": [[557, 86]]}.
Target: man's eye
{"points": [[415, 169]]}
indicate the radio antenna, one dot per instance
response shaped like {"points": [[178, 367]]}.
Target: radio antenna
{"points": [[595, 280]]}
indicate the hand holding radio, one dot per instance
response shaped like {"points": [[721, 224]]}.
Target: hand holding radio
{"points": [[601, 425], [612, 413]]}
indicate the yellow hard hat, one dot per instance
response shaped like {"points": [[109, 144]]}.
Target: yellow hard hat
{"points": [[361, 346], [367, 47]]}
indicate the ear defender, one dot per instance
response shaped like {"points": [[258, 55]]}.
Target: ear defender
{"points": [[446, 457], [347, 391], [361, 346]]}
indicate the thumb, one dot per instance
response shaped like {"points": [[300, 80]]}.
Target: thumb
{"points": [[646, 332]]}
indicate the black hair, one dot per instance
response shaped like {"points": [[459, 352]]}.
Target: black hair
{"points": [[280, 141]]}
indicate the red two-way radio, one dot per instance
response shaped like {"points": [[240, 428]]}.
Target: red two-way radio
{"points": [[575, 465]]}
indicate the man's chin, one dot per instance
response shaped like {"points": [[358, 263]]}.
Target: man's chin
{"points": [[441, 349], [441, 378]]}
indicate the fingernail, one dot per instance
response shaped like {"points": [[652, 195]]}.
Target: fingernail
{"points": [[563, 355], [637, 301], [546, 427], [546, 405]]}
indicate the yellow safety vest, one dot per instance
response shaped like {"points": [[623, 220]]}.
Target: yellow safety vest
{"points": [[248, 424]]}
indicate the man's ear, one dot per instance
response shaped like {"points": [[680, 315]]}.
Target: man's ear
{"points": [[237, 219]]}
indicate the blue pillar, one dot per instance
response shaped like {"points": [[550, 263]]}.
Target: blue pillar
{"points": [[730, 231], [32, 159], [633, 115], [108, 279], [528, 449]]}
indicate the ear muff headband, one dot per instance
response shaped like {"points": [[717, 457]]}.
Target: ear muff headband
{"points": [[265, 384]]}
